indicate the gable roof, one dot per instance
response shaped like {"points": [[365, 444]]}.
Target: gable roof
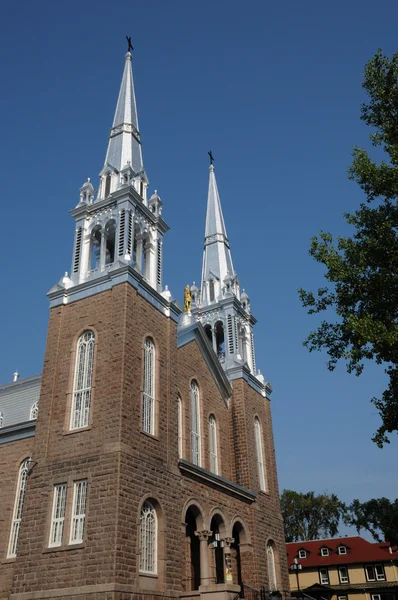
{"points": [[196, 332], [358, 551]]}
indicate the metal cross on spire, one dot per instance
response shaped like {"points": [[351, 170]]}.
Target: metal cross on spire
{"points": [[211, 157], [130, 45]]}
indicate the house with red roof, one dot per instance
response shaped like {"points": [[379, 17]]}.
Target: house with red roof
{"points": [[347, 568]]}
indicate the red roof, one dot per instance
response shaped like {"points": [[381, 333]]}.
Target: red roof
{"points": [[358, 551]]}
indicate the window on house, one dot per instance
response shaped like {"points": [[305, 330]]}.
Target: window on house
{"points": [[260, 454], [18, 508], [78, 511], [58, 515], [342, 598], [324, 551], [82, 381], [148, 397], [271, 567], [34, 411], [375, 573], [343, 574], [376, 597], [195, 424], [302, 554], [213, 444], [342, 550], [179, 426], [324, 576], [148, 539]]}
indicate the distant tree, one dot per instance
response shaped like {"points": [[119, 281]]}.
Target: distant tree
{"points": [[363, 269], [310, 517], [379, 516]]}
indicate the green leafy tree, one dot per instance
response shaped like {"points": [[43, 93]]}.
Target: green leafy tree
{"points": [[310, 517], [362, 270], [379, 516]]}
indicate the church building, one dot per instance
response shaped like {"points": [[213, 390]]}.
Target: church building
{"points": [[141, 463]]}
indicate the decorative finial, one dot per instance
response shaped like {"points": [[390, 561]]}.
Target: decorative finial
{"points": [[187, 299], [211, 157], [15, 376], [130, 45]]}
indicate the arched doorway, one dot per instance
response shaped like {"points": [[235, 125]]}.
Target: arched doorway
{"points": [[218, 531], [192, 549], [237, 533]]}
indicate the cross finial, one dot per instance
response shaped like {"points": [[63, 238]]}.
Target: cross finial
{"points": [[211, 157], [130, 45]]}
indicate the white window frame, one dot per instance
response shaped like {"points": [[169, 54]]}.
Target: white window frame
{"points": [[372, 569], [342, 550], [58, 515], [376, 597], [324, 576], [77, 527], [380, 576], [18, 508], [179, 427], [272, 582], [83, 379], [343, 578], [195, 424], [324, 551], [148, 539], [302, 554], [213, 444], [34, 411], [260, 455], [148, 392], [342, 598]]}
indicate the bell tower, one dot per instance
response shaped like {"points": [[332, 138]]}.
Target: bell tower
{"points": [[220, 304], [118, 225]]}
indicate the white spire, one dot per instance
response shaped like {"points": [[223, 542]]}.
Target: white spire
{"points": [[217, 260], [124, 144]]}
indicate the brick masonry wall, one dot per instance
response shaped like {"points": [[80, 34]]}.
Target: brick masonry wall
{"points": [[125, 466], [11, 456]]}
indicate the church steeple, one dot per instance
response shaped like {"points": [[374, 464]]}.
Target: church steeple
{"points": [[217, 268], [219, 304], [124, 144], [119, 229]]}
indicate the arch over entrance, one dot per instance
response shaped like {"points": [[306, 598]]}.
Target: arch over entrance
{"points": [[240, 555], [193, 518], [218, 533]]}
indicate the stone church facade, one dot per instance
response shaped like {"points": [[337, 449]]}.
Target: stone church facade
{"points": [[141, 462]]}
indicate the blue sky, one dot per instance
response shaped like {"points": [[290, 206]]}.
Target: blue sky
{"points": [[274, 90]]}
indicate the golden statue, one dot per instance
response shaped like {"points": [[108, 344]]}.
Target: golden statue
{"points": [[187, 299]]}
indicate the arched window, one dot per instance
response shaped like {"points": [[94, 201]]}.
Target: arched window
{"points": [[83, 381], [260, 454], [195, 424], [18, 507], [179, 426], [213, 445], [34, 411], [271, 567], [148, 539], [148, 397]]}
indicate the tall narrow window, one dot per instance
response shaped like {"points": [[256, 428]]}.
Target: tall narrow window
{"points": [[260, 454], [78, 246], [34, 411], [179, 426], [148, 398], [18, 507], [78, 512], [271, 567], [58, 515], [195, 424], [213, 445], [148, 539], [211, 290], [107, 186], [83, 380]]}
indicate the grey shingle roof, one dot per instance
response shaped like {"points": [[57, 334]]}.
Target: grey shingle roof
{"points": [[17, 398]]}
